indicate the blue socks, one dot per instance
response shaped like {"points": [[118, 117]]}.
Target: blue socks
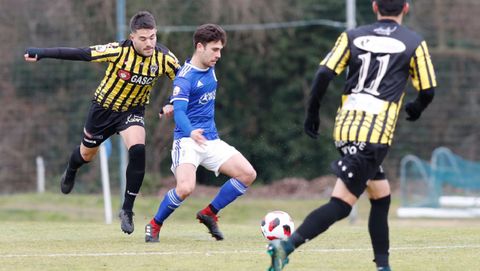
{"points": [[170, 202], [230, 190]]}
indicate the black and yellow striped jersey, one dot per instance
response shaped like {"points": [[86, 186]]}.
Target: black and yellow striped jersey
{"points": [[380, 58], [130, 76]]}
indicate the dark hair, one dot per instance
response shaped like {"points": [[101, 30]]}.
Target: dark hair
{"points": [[142, 20], [207, 33], [390, 7]]}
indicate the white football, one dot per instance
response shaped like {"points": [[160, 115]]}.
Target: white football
{"points": [[277, 225]]}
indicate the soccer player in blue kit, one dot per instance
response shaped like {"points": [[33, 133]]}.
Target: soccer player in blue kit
{"points": [[196, 141]]}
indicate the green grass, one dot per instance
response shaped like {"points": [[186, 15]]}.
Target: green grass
{"points": [[56, 232]]}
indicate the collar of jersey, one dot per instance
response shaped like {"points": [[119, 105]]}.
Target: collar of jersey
{"points": [[387, 21], [187, 62]]}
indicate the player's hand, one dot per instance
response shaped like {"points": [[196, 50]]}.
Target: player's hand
{"points": [[166, 111], [413, 111], [197, 136], [31, 55], [311, 125]]}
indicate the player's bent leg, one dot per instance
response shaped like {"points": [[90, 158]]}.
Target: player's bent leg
{"points": [[185, 176], [239, 168], [318, 221], [80, 155], [171, 201], [209, 218], [243, 175]]}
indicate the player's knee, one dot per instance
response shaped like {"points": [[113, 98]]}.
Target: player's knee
{"points": [[381, 203], [249, 176], [136, 156], [342, 207], [137, 152], [184, 190], [88, 153]]}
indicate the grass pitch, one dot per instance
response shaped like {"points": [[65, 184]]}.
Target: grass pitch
{"points": [[56, 232]]}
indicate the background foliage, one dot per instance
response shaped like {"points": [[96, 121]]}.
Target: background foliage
{"points": [[264, 78]]}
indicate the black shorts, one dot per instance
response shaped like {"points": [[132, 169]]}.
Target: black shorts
{"points": [[102, 123], [360, 162]]}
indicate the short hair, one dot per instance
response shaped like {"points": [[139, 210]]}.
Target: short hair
{"points": [[390, 7], [207, 33], [142, 20]]}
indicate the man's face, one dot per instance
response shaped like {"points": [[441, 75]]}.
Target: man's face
{"points": [[210, 53], [144, 41]]}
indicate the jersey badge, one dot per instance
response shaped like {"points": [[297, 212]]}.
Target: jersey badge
{"points": [[101, 48], [386, 31], [153, 68], [124, 75], [176, 90]]}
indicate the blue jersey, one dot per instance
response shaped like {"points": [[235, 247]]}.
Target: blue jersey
{"points": [[198, 87]]}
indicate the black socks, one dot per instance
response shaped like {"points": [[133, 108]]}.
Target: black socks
{"points": [[76, 160], [319, 220], [135, 174], [378, 229]]}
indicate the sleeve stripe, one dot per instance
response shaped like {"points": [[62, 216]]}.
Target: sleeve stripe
{"points": [[343, 61], [163, 63], [427, 70], [104, 56], [330, 55], [171, 72], [423, 72], [178, 99], [337, 59], [431, 70], [417, 71]]}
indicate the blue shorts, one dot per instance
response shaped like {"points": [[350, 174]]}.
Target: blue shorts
{"points": [[360, 162]]}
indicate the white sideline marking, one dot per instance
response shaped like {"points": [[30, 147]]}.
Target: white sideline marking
{"points": [[335, 250]]}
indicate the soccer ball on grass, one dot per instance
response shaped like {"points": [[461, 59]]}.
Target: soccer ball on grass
{"points": [[277, 225]]}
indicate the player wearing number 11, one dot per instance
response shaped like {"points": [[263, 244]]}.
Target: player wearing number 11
{"points": [[380, 58]]}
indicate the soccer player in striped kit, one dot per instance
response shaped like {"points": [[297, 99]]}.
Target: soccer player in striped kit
{"points": [[119, 101], [381, 57], [196, 141]]}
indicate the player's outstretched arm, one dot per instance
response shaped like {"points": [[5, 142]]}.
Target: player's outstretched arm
{"points": [[34, 54]]}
